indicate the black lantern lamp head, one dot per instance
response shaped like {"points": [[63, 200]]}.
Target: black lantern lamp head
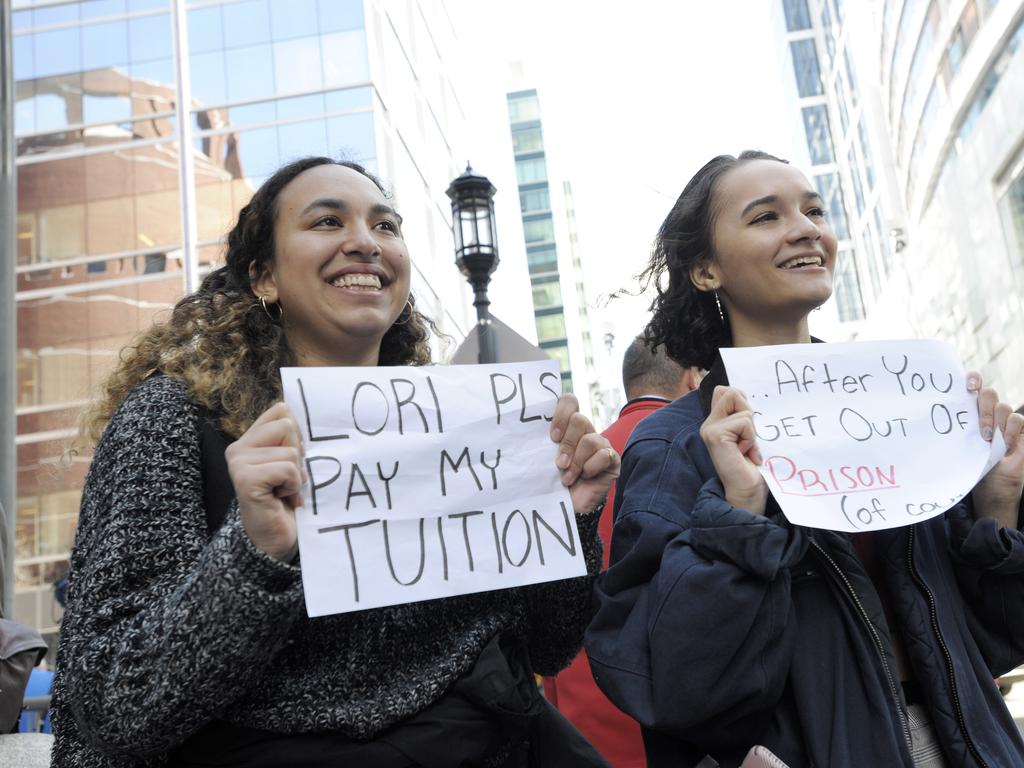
{"points": [[476, 248]]}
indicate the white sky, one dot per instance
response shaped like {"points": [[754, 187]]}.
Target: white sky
{"points": [[635, 97]]}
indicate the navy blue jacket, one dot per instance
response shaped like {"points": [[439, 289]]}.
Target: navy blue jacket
{"points": [[723, 629]]}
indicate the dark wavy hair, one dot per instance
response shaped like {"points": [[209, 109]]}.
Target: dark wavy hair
{"points": [[684, 319], [221, 343]]}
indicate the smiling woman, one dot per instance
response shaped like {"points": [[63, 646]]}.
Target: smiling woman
{"points": [[185, 641], [722, 627], [341, 275]]}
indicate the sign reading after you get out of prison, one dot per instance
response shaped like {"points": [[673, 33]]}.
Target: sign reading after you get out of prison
{"points": [[429, 482], [865, 435]]}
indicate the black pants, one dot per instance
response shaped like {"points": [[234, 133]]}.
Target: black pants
{"points": [[493, 717]]}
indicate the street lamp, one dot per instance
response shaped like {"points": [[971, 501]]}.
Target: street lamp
{"points": [[476, 250]]}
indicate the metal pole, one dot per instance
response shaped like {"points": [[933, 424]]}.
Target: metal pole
{"points": [[483, 320], [187, 171], [8, 316]]}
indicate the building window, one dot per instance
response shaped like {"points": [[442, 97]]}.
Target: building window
{"points": [[542, 261], [842, 93], [522, 108], [851, 77], [991, 80], [1013, 208], [550, 327], [961, 39], [830, 191], [925, 43], [865, 148], [805, 67], [531, 170], [884, 247], [848, 298], [901, 49], [858, 189], [559, 352], [874, 278], [840, 15], [547, 293], [828, 33], [819, 138], [539, 230], [527, 140], [797, 16], [924, 129], [534, 200]]}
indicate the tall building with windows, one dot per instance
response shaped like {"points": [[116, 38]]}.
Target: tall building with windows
{"points": [[116, 221], [549, 229], [952, 77], [843, 139]]}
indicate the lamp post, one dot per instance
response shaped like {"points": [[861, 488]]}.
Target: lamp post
{"points": [[476, 249], [8, 316]]}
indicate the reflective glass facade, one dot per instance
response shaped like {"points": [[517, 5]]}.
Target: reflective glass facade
{"points": [[819, 137], [539, 227], [954, 96], [1013, 203], [559, 297], [104, 203], [921, 95], [849, 302], [805, 67], [797, 15], [841, 153]]}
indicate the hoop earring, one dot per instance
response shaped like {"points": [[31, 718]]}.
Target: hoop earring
{"points": [[408, 317], [718, 303], [268, 313]]}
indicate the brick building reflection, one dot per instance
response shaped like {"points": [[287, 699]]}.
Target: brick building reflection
{"points": [[98, 259]]}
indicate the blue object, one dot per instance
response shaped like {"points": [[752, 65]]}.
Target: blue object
{"points": [[39, 684]]}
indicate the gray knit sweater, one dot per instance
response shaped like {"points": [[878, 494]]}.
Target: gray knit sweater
{"points": [[168, 628]]}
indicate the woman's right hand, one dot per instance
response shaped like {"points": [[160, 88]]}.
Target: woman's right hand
{"points": [[266, 468], [728, 432]]}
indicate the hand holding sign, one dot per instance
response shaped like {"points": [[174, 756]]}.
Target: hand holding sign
{"points": [[266, 471], [871, 435], [998, 493], [729, 434], [587, 460]]}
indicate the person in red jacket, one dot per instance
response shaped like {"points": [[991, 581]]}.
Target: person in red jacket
{"points": [[650, 380]]}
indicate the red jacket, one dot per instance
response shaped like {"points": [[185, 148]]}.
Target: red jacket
{"points": [[615, 734]]}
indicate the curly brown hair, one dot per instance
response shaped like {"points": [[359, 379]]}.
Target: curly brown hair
{"points": [[220, 342], [684, 319]]}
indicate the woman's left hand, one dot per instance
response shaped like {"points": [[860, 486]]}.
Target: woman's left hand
{"points": [[998, 494], [587, 461]]}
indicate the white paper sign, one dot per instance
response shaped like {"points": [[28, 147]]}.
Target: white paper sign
{"points": [[429, 482], [864, 435]]}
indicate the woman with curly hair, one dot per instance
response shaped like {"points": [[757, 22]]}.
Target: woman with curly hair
{"points": [[185, 640], [721, 625]]}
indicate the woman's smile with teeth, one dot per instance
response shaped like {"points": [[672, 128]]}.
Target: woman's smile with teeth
{"points": [[357, 280], [803, 261]]}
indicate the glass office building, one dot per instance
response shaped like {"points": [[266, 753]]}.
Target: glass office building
{"points": [[138, 140], [549, 226], [840, 148]]}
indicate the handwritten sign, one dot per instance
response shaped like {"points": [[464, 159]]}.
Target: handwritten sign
{"points": [[865, 435], [429, 482]]}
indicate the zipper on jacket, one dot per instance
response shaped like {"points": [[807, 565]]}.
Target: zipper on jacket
{"points": [[879, 647], [945, 649]]}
